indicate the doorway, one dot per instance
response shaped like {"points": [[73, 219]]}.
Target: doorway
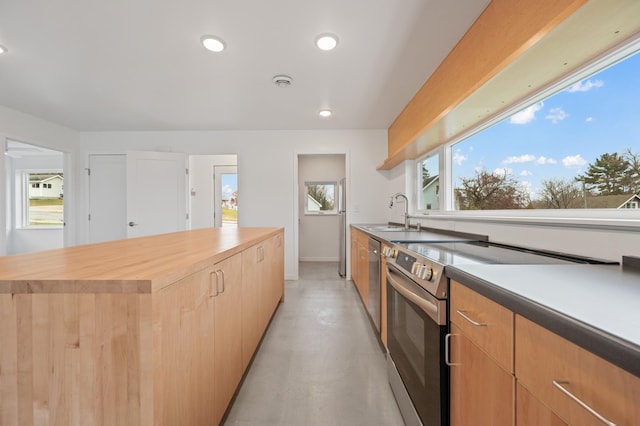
{"points": [[319, 176], [225, 186]]}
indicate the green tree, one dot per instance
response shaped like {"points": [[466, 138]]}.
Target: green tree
{"points": [[634, 169], [491, 191], [319, 193], [560, 194], [610, 174]]}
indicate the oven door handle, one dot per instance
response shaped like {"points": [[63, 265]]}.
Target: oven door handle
{"points": [[403, 286]]}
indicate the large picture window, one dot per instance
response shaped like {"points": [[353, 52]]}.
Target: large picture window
{"points": [[44, 199], [577, 149]]}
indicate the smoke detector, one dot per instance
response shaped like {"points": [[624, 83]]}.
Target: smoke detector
{"points": [[282, 80]]}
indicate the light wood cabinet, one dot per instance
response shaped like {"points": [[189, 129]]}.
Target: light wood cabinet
{"points": [[262, 290], [503, 363], [383, 295], [147, 331], [547, 364], [361, 276], [227, 357], [353, 234], [482, 380], [531, 412]]}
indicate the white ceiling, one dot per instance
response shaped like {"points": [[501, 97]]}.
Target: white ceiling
{"points": [[139, 65]]}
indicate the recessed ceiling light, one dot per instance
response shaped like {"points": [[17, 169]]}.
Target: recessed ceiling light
{"points": [[325, 113], [327, 41], [3, 50], [214, 44]]}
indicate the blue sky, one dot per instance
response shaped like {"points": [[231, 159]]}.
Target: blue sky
{"points": [[229, 185], [559, 137]]}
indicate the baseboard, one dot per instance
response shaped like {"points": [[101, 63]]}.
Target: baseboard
{"points": [[319, 259]]}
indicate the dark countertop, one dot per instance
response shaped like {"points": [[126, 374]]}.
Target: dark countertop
{"points": [[426, 235], [594, 306]]}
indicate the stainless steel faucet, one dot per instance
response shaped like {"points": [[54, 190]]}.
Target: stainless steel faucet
{"points": [[406, 207]]}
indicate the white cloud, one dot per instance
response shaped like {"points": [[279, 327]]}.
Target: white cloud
{"points": [[527, 115], [589, 120], [574, 161], [584, 86], [519, 159], [227, 192], [525, 173], [458, 158], [556, 115], [502, 171], [542, 160]]}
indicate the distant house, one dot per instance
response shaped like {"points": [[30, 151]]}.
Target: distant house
{"points": [[621, 201], [313, 205], [45, 186], [429, 200]]}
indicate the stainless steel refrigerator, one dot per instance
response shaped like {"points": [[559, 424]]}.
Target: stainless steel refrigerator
{"points": [[342, 219]]}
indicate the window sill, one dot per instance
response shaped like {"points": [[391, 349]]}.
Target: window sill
{"points": [[592, 219]]}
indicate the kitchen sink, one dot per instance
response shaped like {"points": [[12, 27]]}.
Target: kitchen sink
{"points": [[388, 228]]}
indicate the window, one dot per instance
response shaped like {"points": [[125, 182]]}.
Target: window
{"points": [[320, 198], [44, 200], [577, 149], [428, 183]]}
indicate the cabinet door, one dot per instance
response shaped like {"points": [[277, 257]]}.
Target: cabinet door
{"points": [[354, 256], [228, 332], [383, 296], [251, 329], [531, 412], [482, 393], [363, 272], [183, 340]]}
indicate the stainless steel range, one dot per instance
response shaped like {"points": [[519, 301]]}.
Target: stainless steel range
{"points": [[417, 318]]}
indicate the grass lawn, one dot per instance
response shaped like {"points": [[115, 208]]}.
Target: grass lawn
{"points": [[47, 202], [229, 215]]}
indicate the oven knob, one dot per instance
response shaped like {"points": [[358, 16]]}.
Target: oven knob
{"points": [[428, 273], [415, 268]]}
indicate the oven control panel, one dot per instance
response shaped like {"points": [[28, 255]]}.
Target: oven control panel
{"points": [[391, 252], [425, 272], [422, 271]]}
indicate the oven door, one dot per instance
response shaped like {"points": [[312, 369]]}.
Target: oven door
{"points": [[416, 329]]}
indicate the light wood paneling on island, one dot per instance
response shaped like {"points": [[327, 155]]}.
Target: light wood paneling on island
{"points": [[155, 339]]}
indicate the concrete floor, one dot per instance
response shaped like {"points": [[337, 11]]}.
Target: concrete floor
{"points": [[319, 363]]}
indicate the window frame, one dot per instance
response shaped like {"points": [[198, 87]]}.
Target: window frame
{"points": [[618, 219], [332, 212], [22, 199], [417, 179]]}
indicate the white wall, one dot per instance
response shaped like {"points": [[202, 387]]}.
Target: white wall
{"points": [[318, 234], [201, 187], [25, 128], [609, 244], [266, 169]]}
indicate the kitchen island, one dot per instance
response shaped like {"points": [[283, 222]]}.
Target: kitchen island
{"points": [[154, 330]]}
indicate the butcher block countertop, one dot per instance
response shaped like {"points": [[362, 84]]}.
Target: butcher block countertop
{"points": [[137, 265]]}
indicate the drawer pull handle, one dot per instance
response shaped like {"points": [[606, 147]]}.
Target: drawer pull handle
{"points": [[476, 323], [447, 361], [558, 384], [211, 283]]}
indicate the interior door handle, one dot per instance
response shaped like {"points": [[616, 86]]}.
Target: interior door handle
{"points": [[133, 224]]}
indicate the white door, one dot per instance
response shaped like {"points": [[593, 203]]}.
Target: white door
{"points": [[156, 193], [107, 197], [225, 196]]}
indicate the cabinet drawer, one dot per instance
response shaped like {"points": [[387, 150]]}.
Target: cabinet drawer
{"points": [[486, 323], [543, 357]]}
